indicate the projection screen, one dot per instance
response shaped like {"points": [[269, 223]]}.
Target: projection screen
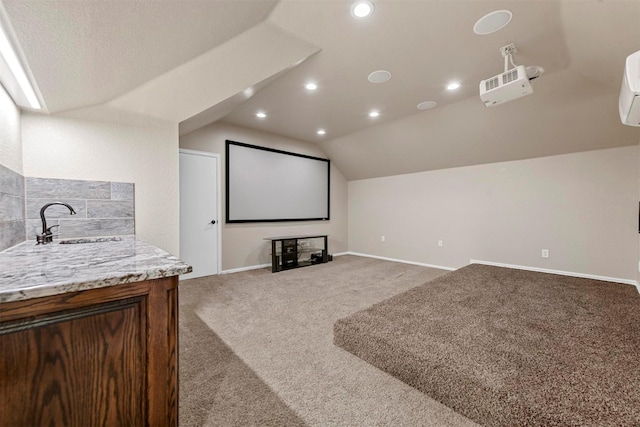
{"points": [[267, 185]]}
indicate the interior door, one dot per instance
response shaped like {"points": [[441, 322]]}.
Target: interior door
{"points": [[199, 212]]}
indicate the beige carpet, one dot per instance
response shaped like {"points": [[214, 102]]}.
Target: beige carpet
{"points": [[256, 349], [510, 347]]}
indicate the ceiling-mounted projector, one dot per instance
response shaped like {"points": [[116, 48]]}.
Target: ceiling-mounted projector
{"points": [[512, 84]]}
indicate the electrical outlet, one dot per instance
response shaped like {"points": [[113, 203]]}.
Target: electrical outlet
{"points": [[440, 243], [382, 238], [545, 253]]}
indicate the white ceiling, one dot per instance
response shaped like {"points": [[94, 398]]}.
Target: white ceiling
{"points": [[87, 52], [138, 55], [424, 44]]}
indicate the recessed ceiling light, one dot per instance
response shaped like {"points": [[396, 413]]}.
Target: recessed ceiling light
{"points": [[427, 105], [261, 114], [311, 86], [379, 76], [361, 9], [453, 86], [248, 92], [492, 22], [374, 113], [321, 132]]}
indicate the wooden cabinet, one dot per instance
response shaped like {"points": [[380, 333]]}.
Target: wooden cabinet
{"points": [[100, 357]]}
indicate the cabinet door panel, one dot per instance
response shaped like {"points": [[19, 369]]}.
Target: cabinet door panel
{"points": [[80, 367]]}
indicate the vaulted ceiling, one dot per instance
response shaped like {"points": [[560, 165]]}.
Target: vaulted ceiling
{"points": [[195, 62]]}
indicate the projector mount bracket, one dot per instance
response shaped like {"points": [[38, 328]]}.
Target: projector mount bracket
{"points": [[507, 53], [533, 71]]}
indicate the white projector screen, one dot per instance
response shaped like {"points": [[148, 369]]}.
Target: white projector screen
{"points": [[267, 185]]}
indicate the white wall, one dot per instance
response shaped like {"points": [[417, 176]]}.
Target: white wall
{"points": [[10, 139], [105, 144], [243, 244], [582, 207]]}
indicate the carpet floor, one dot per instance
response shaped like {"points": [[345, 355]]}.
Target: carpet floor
{"points": [[510, 347], [256, 349]]}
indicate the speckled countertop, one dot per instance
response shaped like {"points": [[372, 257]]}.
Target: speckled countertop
{"points": [[32, 271]]}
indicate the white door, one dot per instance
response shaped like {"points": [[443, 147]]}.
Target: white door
{"points": [[199, 213]]}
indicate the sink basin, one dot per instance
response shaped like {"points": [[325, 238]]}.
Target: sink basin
{"points": [[94, 240]]}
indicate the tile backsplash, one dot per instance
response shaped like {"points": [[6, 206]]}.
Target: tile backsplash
{"points": [[103, 208], [12, 216]]}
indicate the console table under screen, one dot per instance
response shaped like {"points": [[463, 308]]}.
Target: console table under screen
{"points": [[286, 251]]}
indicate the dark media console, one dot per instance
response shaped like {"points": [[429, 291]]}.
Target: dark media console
{"points": [[287, 251]]}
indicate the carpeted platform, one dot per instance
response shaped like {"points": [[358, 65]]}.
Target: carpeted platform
{"points": [[509, 347]]}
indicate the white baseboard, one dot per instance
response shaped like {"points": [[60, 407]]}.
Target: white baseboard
{"points": [[422, 264], [257, 267], [562, 273], [473, 261], [251, 267]]}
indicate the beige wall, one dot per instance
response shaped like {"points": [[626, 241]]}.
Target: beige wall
{"points": [[582, 207], [243, 244], [10, 139], [105, 144]]}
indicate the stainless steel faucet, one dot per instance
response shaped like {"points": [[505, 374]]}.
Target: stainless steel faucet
{"points": [[47, 234]]}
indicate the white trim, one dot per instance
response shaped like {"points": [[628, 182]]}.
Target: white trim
{"points": [[219, 203], [256, 267], [473, 261], [218, 196], [562, 273], [402, 261], [198, 153], [251, 267]]}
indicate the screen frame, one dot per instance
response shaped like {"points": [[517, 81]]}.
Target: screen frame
{"points": [[229, 142]]}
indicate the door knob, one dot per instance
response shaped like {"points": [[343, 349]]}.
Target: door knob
{"points": [[213, 221]]}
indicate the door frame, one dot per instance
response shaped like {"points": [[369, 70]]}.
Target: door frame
{"points": [[218, 224]]}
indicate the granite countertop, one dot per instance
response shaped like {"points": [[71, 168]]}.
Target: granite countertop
{"points": [[32, 271]]}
